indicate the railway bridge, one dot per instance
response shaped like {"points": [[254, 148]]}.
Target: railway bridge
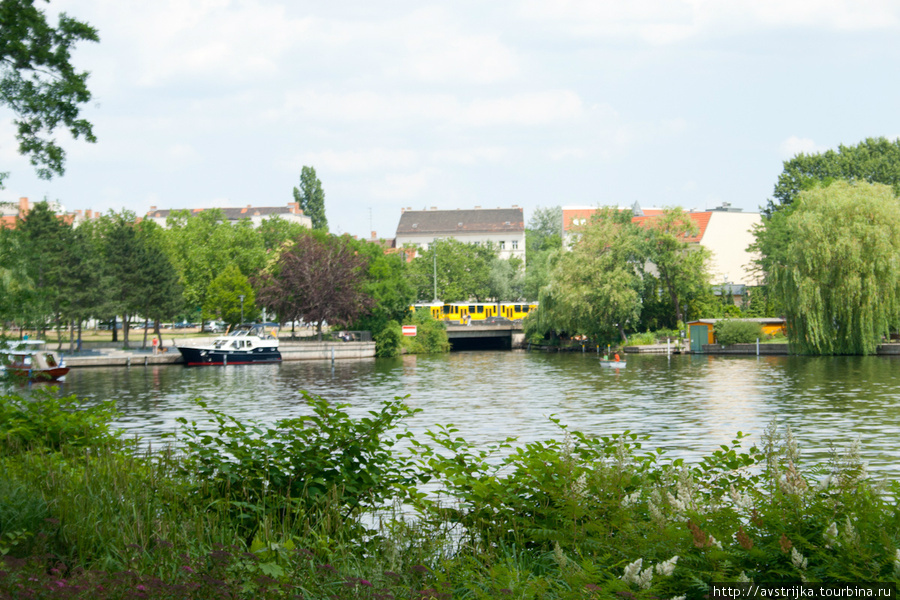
{"points": [[485, 337]]}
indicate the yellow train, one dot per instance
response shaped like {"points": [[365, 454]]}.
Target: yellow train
{"points": [[465, 312]]}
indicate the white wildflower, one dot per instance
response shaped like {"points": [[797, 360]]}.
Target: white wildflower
{"points": [[677, 505], [798, 560], [677, 598], [631, 500], [824, 484], [848, 534], [666, 568], [742, 578], [633, 571], [793, 482], [741, 501], [831, 535], [579, 487], [559, 555], [714, 542], [645, 579], [655, 513], [790, 445]]}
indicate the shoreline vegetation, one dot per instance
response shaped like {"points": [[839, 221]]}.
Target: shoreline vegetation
{"points": [[329, 506]]}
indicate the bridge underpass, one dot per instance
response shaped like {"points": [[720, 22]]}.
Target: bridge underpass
{"points": [[485, 337]]}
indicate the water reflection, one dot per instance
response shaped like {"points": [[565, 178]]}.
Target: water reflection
{"points": [[689, 404]]}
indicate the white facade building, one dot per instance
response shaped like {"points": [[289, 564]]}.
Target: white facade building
{"points": [[291, 213], [504, 228]]}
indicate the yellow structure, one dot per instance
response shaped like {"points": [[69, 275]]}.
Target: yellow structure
{"points": [[703, 331]]}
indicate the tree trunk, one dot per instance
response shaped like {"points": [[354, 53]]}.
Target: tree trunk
{"points": [[79, 335], [319, 330], [115, 329], [125, 324], [71, 336], [146, 323], [622, 332], [157, 331]]}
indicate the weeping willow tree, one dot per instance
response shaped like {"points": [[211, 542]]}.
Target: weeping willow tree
{"points": [[836, 267], [595, 288]]}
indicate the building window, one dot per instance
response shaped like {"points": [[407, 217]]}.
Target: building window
{"points": [[515, 244], [502, 245]]}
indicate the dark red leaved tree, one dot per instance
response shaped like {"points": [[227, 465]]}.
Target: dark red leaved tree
{"points": [[318, 279]]}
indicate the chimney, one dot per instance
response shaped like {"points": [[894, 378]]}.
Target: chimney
{"points": [[477, 208], [374, 236], [152, 208], [515, 206], [23, 207], [434, 208], [402, 210], [88, 214]]}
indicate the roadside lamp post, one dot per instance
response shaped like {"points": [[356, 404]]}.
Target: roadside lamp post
{"points": [[242, 308]]}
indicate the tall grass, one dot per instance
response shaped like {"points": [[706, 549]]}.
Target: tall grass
{"points": [[314, 508]]}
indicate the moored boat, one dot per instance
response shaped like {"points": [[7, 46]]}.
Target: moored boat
{"points": [[29, 360], [247, 344]]}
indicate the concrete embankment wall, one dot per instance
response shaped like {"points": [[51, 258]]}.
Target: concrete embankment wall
{"points": [[764, 349], [290, 351]]}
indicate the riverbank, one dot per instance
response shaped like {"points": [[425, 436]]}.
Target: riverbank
{"points": [[290, 351]]}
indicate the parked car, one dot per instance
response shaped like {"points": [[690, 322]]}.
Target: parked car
{"points": [[183, 325], [214, 327]]}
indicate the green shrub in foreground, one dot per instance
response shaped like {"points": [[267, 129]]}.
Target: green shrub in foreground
{"points": [[735, 331]]}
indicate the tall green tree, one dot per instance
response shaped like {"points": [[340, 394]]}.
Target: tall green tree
{"points": [[124, 259], [875, 160], [44, 241], [598, 283], [463, 271], [386, 282], [506, 279], [681, 267], [161, 292], [837, 272], [40, 84], [223, 299], [311, 198], [544, 231]]}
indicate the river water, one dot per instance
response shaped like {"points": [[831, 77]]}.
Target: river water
{"points": [[687, 404]]}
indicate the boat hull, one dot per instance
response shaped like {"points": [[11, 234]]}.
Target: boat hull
{"points": [[201, 357], [53, 374], [613, 364]]}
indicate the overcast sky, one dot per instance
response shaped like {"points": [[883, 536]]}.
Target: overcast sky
{"points": [[201, 103]]}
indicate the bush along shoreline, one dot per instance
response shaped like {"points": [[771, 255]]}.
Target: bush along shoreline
{"points": [[329, 506]]}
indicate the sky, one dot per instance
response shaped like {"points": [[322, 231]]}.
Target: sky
{"points": [[419, 104]]}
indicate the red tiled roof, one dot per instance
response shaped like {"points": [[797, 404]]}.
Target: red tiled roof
{"points": [[701, 219]]}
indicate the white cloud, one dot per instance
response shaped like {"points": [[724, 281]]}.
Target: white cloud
{"points": [[354, 161], [669, 21], [437, 51], [470, 156], [566, 153], [794, 145], [397, 186], [533, 108]]}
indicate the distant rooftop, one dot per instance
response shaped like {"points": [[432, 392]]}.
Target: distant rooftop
{"points": [[477, 220]]}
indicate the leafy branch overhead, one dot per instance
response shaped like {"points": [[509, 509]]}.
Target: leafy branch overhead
{"points": [[39, 83]]}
